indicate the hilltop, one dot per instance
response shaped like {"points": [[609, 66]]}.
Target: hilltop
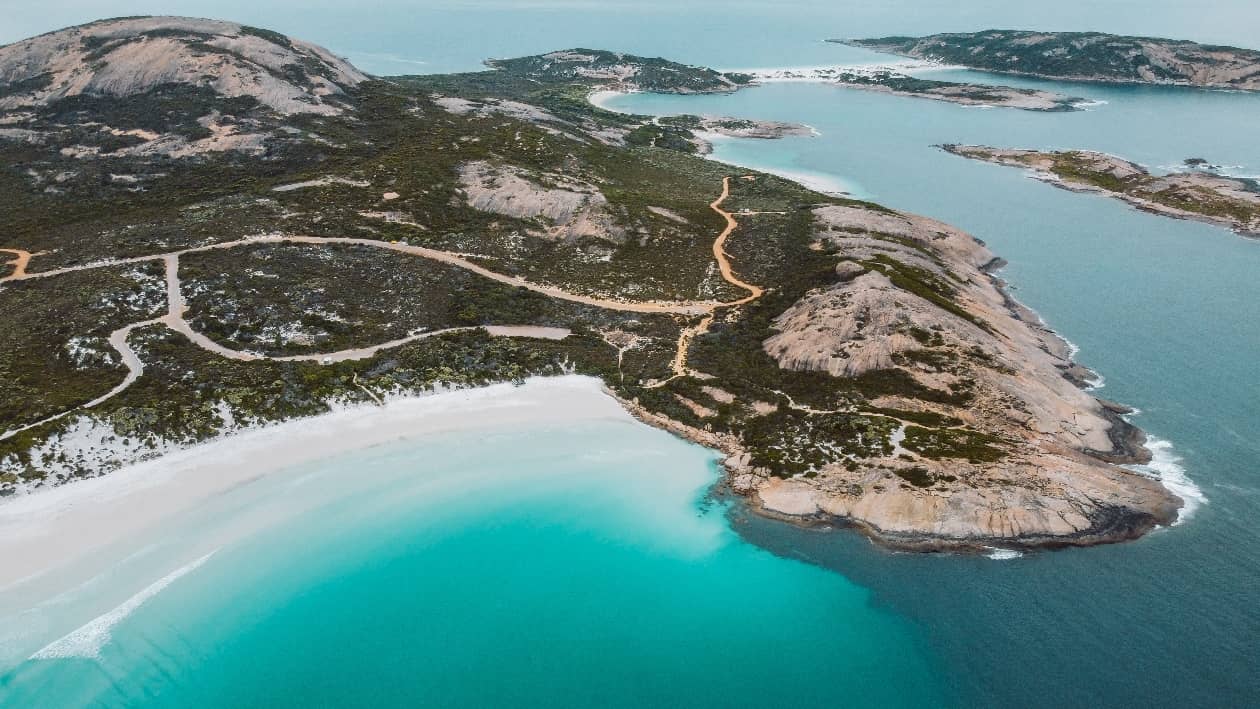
{"points": [[129, 57]]}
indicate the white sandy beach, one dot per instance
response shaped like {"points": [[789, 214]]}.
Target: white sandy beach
{"points": [[52, 529]]}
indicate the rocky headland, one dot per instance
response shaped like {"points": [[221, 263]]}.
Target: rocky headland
{"points": [[1193, 193], [897, 82]]}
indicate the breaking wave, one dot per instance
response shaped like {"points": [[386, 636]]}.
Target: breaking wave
{"points": [[1166, 466], [87, 640]]}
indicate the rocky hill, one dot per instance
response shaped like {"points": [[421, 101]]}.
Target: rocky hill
{"points": [[1084, 56], [166, 87], [131, 56]]}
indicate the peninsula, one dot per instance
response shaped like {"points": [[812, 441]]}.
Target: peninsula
{"points": [[1192, 193], [897, 82], [209, 227], [1083, 56]]}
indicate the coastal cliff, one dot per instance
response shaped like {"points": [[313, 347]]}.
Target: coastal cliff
{"points": [[412, 234], [1083, 56]]}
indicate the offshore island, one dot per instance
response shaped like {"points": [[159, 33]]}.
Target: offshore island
{"points": [[211, 227], [1083, 56], [1196, 192]]}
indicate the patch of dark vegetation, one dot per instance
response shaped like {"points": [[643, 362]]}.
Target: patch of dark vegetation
{"points": [[953, 443]]}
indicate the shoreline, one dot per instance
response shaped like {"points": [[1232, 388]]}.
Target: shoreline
{"points": [[1131, 450], [49, 530]]}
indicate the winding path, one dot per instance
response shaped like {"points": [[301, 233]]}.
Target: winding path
{"points": [[177, 307], [679, 364], [650, 306]]}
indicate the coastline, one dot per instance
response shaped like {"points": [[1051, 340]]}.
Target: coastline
{"points": [[48, 530], [825, 184], [131, 500], [1129, 449]]}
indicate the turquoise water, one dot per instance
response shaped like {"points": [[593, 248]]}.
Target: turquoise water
{"points": [[478, 569], [605, 580]]}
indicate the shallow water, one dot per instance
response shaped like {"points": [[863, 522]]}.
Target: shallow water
{"points": [[479, 569], [606, 580]]}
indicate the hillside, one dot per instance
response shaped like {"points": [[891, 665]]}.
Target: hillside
{"points": [[624, 71], [856, 364], [1084, 56]]}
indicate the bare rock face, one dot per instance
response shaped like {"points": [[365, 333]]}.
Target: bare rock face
{"points": [[914, 296], [565, 208], [126, 57]]}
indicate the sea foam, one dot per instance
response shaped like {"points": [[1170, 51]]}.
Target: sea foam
{"points": [[87, 640], [1166, 466], [1003, 554]]}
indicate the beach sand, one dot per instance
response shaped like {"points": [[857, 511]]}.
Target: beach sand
{"points": [[62, 529]]}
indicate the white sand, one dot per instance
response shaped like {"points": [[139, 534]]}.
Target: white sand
{"points": [[600, 99], [50, 529]]}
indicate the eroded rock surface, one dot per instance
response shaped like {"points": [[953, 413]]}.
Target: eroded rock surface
{"points": [[565, 208], [1001, 375], [125, 57]]}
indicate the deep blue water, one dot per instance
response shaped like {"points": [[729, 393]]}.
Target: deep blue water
{"points": [[605, 590]]}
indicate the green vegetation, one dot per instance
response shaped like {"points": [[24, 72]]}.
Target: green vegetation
{"points": [[647, 74], [953, 443], [288, 299]]}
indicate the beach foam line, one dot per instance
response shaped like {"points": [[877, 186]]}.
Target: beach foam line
{"points": [[600, 99], [88, 640], [999, 554], [1166, 466]]}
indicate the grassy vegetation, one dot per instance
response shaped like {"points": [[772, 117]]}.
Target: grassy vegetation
{"points": [[301, 299], [953, 443], [54, 353]]}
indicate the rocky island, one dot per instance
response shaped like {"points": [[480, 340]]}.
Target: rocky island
{"points": [[1193, 193], [211, 227], [1083, 56]]}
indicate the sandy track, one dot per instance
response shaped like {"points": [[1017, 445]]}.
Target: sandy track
{"points": [[135, 367], [174, 319], [679, 363], [177, 307], [651, 306]]}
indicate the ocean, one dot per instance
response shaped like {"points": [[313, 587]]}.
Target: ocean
{"points": [[606, 574]]}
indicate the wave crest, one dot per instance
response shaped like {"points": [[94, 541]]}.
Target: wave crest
{"points": [[88, 639]]}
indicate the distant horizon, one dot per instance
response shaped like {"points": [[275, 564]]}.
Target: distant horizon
{"points": [[453, 36]]}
